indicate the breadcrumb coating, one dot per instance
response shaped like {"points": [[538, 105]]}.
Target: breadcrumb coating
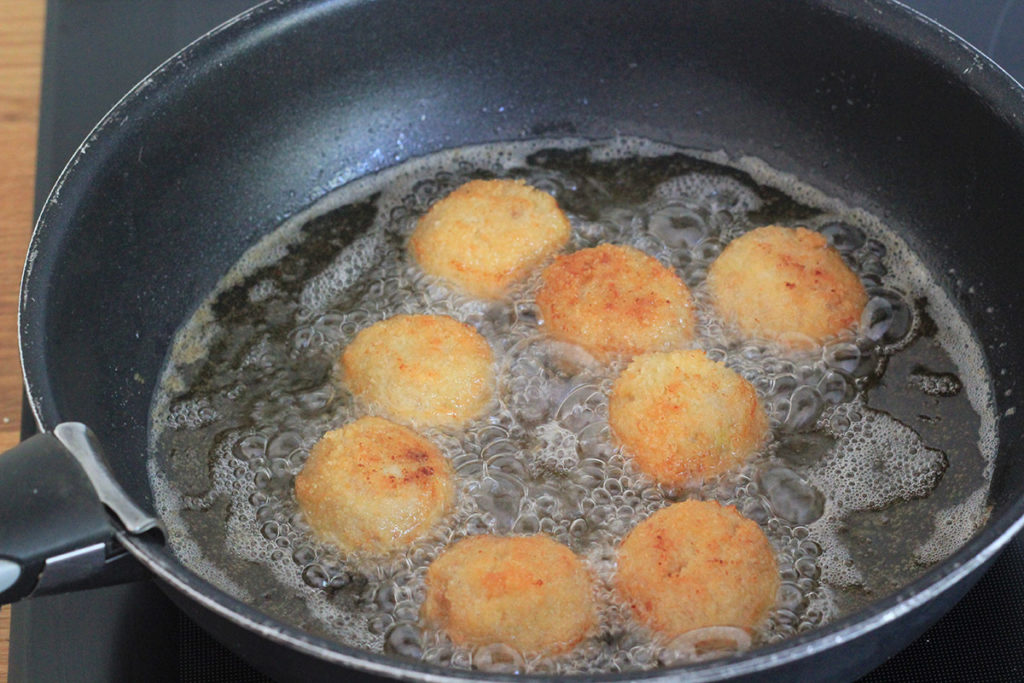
{"points": [[615, 300], [697, 564], [423, 369], [374, 486], [683, 417], [489, 234], [786, 285], [530, 593]]}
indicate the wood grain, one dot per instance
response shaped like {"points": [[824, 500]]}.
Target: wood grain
{"points": [[21, 47]]}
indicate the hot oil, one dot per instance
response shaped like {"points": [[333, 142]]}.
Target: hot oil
{"points": [[875, 439]]}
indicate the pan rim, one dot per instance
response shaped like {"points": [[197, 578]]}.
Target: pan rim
{"points": [[759, 660]]}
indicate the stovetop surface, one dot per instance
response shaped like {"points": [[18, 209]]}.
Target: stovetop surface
{"points": [[95, 52]]}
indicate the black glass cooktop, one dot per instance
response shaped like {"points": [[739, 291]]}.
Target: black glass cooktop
{"points": [[95, 51]]}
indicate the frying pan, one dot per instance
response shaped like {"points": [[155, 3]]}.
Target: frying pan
{"points": [[866, 101]]}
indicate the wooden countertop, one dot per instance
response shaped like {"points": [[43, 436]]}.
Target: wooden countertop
{"points": [[21, 48]]}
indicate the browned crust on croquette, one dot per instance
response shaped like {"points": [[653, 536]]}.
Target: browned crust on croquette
{"points": [[786, 285], [423, 369], [374, 486], [697, 564], [528, 592], [683, 417], [615, 300], [488, 234]]}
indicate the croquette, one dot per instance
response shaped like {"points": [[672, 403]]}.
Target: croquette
{"points": [[615, 300], [785, 285], [374, 486], [683, 417], [530, 593], [430, 370], [697, 564], [489, 234]]}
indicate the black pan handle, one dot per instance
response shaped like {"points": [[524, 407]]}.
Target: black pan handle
{"points": [[60, 515]]}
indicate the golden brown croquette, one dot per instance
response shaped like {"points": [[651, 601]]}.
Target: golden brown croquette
{"points": [[785, 285], [615, 300], [424, 369], [530, 593], [697, 564], [374, 486], [683, 417], [488, 234]]}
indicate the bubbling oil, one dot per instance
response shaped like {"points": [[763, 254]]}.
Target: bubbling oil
{"points": [[250, 387]]}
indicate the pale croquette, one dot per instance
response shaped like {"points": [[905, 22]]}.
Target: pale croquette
{"points": [[615, 300], [785, 285], [697, 564], [374, 486], [489, 234], [530, 593], [683, 417], [424, 369]]}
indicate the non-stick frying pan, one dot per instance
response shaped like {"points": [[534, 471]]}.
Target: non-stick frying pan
{"points": [[868, 102]]}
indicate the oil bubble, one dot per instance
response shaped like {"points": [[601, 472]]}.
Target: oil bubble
{"points": [[543, 459], [791, 497]]}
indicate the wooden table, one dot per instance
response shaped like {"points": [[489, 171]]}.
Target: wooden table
{"points": [[21, 47]]}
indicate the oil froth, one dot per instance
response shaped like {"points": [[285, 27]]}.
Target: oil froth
{"points": [[249, 388]]}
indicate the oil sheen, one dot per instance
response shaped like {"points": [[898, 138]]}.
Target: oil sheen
{"points": [[879, 463]]}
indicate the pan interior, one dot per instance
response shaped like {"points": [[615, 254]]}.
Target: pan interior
{"points": [[879, 466]]}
